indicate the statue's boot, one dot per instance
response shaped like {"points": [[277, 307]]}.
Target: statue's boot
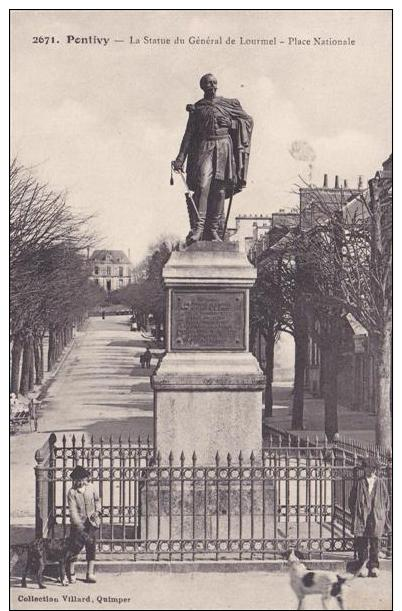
{"points": [[216, 219], [215, 237], [196, 234]]}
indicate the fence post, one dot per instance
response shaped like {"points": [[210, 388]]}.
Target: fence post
{"points": [[43, 500]]}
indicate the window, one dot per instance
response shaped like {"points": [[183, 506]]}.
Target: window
{"points": [[96, 280], [121, 271], [108, 270], [120, 281], [96, 271]]}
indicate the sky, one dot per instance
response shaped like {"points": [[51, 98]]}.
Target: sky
{"points": [[103, 122]]}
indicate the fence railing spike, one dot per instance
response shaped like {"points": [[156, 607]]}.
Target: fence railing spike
{"points": [[182, 458], [73, 440], [252, 457], [194, 458], [240, 457], [170, 458], [229, 458], [217, 458]]}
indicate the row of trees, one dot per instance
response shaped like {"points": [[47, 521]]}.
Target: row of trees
{"points": [[50, 291], [146, 295], [340, 264]]}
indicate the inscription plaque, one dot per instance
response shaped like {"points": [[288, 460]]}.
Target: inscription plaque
{"points": [[208, 320]]}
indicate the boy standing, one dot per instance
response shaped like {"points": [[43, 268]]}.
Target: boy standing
{"points": [[85, 507], [369, 506]]}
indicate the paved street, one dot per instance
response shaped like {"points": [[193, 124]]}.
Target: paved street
{"points": [[99, 390], [245, 590]]}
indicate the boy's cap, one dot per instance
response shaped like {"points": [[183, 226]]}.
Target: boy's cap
{"points": [[79, 473]]}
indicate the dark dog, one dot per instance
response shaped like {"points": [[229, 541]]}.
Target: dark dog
{"points": [[305, 582], [49, 551]]}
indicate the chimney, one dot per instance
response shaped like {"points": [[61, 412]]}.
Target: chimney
{"points": [[345, 184], [336, 182], [325, 181], [360, 185]]}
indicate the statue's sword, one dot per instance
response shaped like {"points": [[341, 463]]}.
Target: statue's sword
{"points": [[187, 191]]}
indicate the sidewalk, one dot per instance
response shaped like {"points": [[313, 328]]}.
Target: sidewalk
{"points": [[214, 591], [356, 425]]}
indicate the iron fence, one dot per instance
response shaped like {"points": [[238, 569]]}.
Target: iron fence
{"points": [[243, 507]]}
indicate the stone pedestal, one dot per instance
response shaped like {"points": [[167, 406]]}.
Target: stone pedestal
{"points": [[208, 387]]}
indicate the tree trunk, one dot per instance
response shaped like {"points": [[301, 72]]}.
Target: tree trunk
{"points": [[301, 345], [31, 377], [38, 360], [27, 357], [42, 357], [269, 372], [15, 365], [383, 381], [330, 389], [51, 355]]}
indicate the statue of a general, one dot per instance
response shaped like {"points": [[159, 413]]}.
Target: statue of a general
{"points": [[216, 144]]}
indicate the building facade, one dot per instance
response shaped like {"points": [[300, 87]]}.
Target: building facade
{"points": [[249, 229], [111, 269]]}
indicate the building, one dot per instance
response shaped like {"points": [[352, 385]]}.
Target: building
{"points": [[316, 203], [111, 269], [249, 229]]}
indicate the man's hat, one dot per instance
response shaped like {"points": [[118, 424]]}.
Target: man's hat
{"points": [[371, 462], [79, 473]]}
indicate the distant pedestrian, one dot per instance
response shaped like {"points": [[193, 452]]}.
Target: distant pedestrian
{"points": [[369, 505], [147, 357], [103, 314]]}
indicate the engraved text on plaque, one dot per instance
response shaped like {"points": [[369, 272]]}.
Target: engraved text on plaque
{"points": [[208, 320]]}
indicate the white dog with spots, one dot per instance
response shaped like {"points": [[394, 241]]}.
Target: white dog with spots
{"points": [[305, 582]]}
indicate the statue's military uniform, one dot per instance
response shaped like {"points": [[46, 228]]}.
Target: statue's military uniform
{"points": [[216, 143]]}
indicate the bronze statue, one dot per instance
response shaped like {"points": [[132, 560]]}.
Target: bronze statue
{"points": [[216, 144]]}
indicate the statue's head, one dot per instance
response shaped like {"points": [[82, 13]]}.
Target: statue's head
{"points": [[209, 85]]}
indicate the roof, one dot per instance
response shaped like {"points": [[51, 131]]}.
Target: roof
{"points": [[357, 328], [110, 256]]}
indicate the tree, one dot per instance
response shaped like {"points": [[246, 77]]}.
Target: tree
{"points": [[348, 254], [147, 295], [269, 314], [49, 285]]}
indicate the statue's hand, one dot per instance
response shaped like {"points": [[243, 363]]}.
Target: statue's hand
{"points": [[177, 165]]}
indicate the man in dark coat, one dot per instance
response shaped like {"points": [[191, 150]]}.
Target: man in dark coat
{"points": [[216, 145], [369, 505]]}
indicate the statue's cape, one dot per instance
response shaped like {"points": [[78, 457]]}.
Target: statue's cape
{"points": [[241, 138]]}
